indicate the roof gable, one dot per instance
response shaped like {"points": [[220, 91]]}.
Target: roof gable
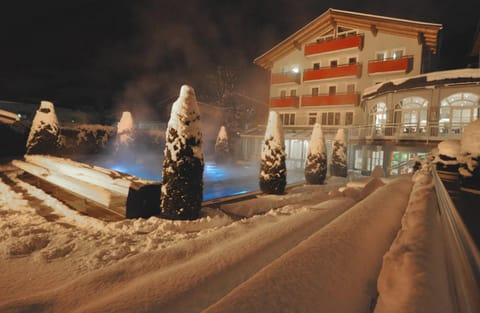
{"points": [[425, 32]]}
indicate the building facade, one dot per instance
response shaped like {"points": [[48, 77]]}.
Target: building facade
{"points": [[321, 72]]}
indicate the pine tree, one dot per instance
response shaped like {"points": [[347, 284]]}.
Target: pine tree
{"points": [[338, 163], [44, 136], [222, 152], [316, 164], [182, 177], [273, 170]]}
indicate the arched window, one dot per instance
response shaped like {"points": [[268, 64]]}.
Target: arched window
{"points": [[378, 116], [457, 110], [411, 114]]}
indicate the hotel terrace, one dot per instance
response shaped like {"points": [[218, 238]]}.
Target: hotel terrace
{"points": [[367, 74]]}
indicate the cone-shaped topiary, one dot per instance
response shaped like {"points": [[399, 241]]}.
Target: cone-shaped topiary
{"points": [[222, 152], [125, 130], [44, 137], [182, 177], [316, 164], [338, 163], [273, 171]]}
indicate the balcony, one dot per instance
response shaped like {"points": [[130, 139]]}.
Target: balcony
{"points": [[355, 41], [403, 64], [285, 78], [337, 99], [333, 72], [284, 102]]}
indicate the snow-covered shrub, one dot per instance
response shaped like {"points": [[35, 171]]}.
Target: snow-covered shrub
{"points": [[182, 185], [469, 168], [44, 133], [84, 139], [222, 151], [338, 162], [316, 164], [273, 170], [446, 159]]}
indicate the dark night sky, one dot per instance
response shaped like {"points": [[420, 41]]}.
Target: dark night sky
{"points": [[119, 53]]}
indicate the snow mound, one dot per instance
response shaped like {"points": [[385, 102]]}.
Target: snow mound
{"points": [[450, 148], [341, 261], [413, 276]]}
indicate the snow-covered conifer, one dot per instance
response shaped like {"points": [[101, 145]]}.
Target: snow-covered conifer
{"points": [[316, 164], [338, 163], [222, 152], [125, 130], [44, 137], [182, 176], [273, 170]]}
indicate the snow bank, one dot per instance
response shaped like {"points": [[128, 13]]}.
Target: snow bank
{"points": [[191, 274], [334, 270], [413, 276]]}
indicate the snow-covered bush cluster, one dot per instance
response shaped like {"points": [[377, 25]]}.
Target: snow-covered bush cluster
{"points": [[460, 159], [85, 139]]}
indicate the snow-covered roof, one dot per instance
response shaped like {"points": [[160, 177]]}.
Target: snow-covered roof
{"points": [[356, 20], [460, 76]]}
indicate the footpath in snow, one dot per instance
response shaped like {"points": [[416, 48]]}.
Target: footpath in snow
{"points": [[305, 251]]}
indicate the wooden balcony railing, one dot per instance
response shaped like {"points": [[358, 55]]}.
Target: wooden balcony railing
{"points": [[284, 102], [333, 72], [404, 64], [283, 78], [335, 44], [337, 99]]}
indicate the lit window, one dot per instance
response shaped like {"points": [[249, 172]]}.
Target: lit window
{"points": [[397, 54]]}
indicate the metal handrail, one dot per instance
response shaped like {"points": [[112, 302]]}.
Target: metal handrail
{"points": [[463, 258]]}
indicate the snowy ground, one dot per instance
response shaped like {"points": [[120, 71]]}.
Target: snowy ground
{"points": [[315, 249]]}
